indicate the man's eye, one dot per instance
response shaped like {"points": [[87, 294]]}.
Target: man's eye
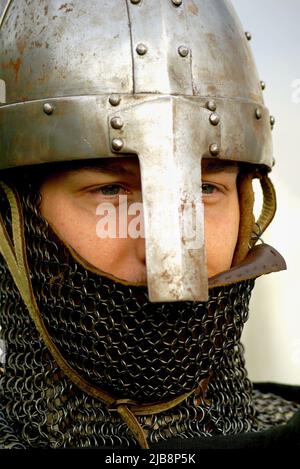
{"points": [[109, 190], [208, 189]]}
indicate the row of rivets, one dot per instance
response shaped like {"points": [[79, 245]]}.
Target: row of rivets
{"points": [[142, 49], [116, 122], [214, 120], [114, 100], [258, 114]]}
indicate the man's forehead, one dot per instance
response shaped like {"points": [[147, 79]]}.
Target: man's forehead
{"points": [[123, 165], [129, 165]]}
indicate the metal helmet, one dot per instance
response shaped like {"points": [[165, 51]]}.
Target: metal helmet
{"points": [[171, 81]]}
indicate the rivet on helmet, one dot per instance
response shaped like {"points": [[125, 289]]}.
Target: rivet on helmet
{"points": [[116, 123], [114, 100], [263, 85], [214, 149], [183, 51], [117, 144], [211, 105], [272, 121], [48, 108], [177, 3], [214, 118], [258, 113], [141, 49]]}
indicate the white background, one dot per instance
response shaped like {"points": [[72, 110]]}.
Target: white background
{"points": [[272, 335]]}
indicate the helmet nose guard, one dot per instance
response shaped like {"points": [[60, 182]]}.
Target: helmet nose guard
{"points": [[171, 83]]}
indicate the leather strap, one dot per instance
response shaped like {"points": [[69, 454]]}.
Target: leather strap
{"points": [[262, 259], [269, 203], [130, 419]]}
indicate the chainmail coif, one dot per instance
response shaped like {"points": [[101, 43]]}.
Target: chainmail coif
{"points": [[115, 338]]}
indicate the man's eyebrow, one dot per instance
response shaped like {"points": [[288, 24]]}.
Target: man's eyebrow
{"points": [[115, 169]]}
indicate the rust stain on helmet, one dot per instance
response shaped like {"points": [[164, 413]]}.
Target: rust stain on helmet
{"points": [[21, 45], [192, 7], [67, 7], [13, 65]]}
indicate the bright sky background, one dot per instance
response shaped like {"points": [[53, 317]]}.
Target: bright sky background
{"points": [[272, 336]]}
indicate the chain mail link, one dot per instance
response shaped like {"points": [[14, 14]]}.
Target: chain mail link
{"points": [[116, 339]]}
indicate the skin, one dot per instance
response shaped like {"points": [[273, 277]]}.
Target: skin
{"points": [[70, 198]]}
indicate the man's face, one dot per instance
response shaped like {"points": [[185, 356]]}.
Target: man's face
{"points": [[71, 201]]}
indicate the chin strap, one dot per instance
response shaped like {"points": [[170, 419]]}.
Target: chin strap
{"points": [[14, 253]]}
